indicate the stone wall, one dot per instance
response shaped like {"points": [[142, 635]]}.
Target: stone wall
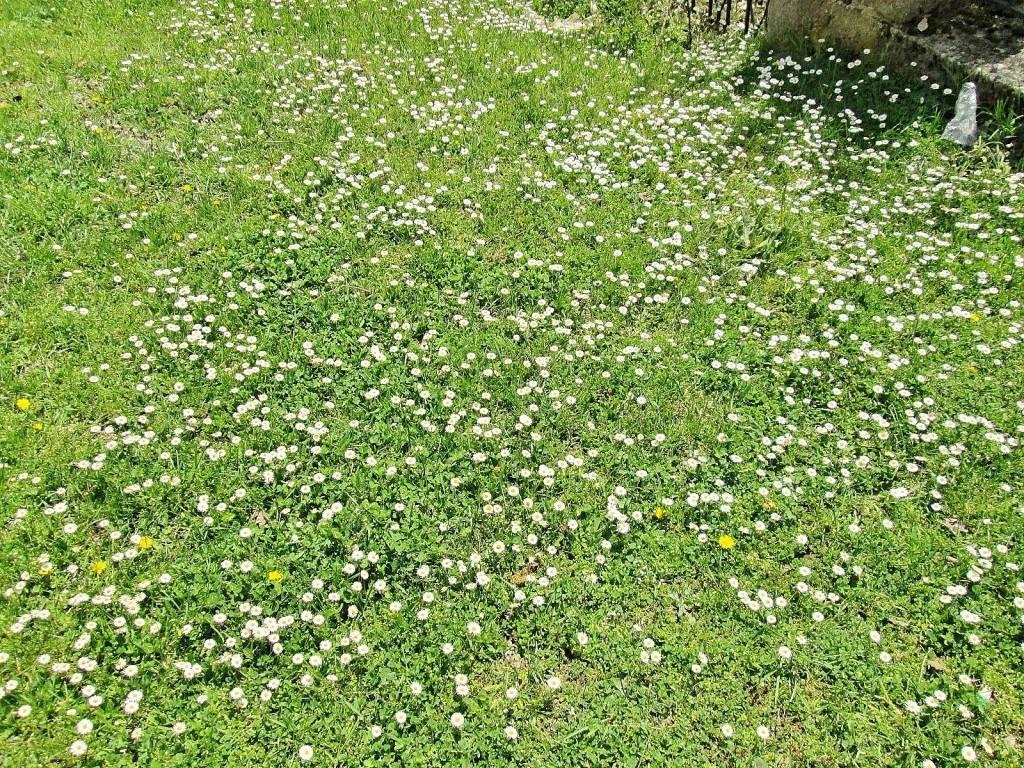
{"points": [[853, 24]]}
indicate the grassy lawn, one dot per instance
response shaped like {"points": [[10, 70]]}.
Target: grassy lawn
{"points": [[405, 383]]}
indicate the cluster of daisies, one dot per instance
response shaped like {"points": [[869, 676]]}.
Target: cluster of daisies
{"points": [[409, 461]]}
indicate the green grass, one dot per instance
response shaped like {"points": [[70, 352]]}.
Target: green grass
{"points": [[289, 284]]}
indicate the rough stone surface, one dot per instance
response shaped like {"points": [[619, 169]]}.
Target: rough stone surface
{"points": [[568, 25], [987, 42], [855, 24], [901, 12], [981, 39]]}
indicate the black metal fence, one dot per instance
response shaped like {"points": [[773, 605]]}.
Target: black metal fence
{"points": [[722, 13], [717, 14]]}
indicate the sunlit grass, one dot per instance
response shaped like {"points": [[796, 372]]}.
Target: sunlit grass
{"points": [[406, 384]]}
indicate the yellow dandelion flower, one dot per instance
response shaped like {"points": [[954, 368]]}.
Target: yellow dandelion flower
{"points": [[660, 513], [275, 575], [37, 426], [22, 403], [146, 542], [186, 187], [99, 567], [726, 542]]}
